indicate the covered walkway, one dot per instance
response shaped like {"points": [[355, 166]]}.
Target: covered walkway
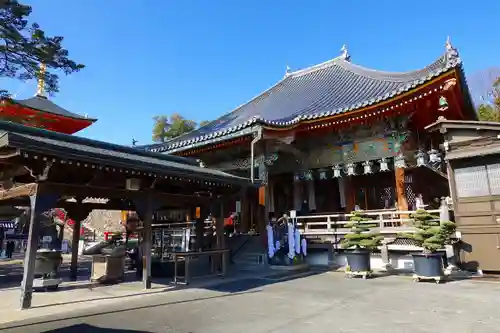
{"points": [[43, 170]]}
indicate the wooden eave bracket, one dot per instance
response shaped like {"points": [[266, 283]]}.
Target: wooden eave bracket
{"points": [[25, 190]]}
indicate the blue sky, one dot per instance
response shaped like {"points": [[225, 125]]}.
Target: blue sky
{"points": [[202, 58]]}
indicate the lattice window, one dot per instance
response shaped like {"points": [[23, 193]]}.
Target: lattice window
{"points": [[410, 196], [386, 194], [471, 182], [493, 171]]}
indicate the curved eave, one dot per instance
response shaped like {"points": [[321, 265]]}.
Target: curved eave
{"points": [[68, 115], [387, 98]]}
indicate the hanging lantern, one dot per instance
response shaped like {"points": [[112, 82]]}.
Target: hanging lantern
{"points": [[296, 177], [337, 171], [367, 167], [443, 103], [384, 166], [420, 156], [322, 174], [308, 175], [399, 161], [434, 156], [351, 169]]}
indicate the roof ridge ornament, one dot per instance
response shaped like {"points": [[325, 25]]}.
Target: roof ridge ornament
{"points": [[451, 52], [40, 90], [288, 71], [345, 53]]}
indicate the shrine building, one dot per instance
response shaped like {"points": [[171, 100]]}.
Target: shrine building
{"points": [[337, 136]]}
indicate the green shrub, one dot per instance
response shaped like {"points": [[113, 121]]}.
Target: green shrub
{"points": [[431, 234], [361, 236]]}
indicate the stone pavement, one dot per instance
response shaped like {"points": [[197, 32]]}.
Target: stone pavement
{"points": [[323, 302], [70, 296], [82, 294]]}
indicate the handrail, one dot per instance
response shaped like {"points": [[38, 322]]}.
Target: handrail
{"points": [[389, 221]]}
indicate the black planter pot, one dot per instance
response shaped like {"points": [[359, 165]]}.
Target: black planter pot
{"points": [[358, 260], [428, 264]]}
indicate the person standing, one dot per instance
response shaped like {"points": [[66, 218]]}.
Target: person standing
{"points": [[9, 249]]}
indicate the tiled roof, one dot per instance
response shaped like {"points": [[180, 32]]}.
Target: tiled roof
{"points": [[41, 103], [331, 88], [41, 141]]}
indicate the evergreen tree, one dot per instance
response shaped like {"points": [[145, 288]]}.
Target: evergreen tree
{"points": [[166, 128], [24, 47], [361, 236], [431, 234], [487, 112]]}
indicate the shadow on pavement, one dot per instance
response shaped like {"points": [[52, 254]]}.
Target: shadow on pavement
{"points": [[84, 328], [27, 323], [235, 285], [240, 285]]}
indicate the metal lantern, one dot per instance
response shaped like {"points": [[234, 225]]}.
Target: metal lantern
{"points": [[337, 171], [351, 169], [420, 156], [322, 174], [399, 161], [308, 175], [367, 167], [434, 156], [384, 166]]}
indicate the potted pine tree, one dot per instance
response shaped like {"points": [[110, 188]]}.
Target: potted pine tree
{"points": [[432, 235], [359, 243]]}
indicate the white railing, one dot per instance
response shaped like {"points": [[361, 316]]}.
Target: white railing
{"points": [[387, 221]]}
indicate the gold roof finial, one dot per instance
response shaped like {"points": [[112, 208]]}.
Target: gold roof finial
{"points": [[40, 91]]}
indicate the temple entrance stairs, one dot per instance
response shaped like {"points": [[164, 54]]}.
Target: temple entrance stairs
{"points": [[247, 252]]}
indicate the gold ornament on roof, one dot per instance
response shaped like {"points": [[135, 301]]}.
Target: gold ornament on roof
{"points": [[40, 91]]}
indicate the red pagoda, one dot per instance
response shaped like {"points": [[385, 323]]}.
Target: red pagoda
{"points": [[39, 111]]}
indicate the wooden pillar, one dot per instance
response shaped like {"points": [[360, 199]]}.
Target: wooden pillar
{"points": [[245, 211], [38, 204], [201, 214], [145, 208], [219, 226], [30, 257], [147, 244], [78, 214], [262, 213], [350, 194], [399, 174], [75, 242]]}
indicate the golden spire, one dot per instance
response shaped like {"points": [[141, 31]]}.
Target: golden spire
{"points": [[40, 91]]}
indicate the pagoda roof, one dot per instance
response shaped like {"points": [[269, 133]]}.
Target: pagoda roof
{"points": [[43, 104], [331, 88]]}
